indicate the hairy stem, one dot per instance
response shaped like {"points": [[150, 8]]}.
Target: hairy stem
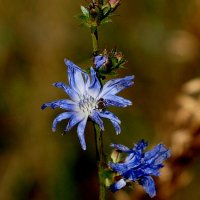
{"points": [[100, 160]]}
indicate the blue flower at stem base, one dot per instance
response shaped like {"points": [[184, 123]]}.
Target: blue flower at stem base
{"points": [[139, 166], [89, 99]]}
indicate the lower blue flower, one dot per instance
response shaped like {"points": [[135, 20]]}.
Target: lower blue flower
{"points": [[89, 99], [139, 166]]}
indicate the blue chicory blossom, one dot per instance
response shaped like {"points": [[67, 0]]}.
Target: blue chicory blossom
{"points": [[139, 166], [100, 60], [89, 99]]}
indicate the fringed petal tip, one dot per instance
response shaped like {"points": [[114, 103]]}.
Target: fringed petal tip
{"points": [[83, 147], [102, 128], [58, 84], [132, 77], [53, 129], [141, 145], [66, 61], [53, 105], [148, 185], [118, 132], [69, 63], [73, 66], [43, 106], [120, 147]]}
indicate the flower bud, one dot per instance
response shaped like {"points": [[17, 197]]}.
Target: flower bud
{"points": [[100, 60], [119, 56], [114, 3], [108, 62], [94, 10]]}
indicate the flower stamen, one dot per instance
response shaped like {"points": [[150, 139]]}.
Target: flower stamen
{"points": [[87, 104]]}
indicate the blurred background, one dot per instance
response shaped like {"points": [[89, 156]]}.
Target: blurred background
{"points": [[161, 41]]}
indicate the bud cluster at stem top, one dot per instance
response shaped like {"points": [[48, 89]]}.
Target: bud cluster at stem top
{"points": [[98, 12]]}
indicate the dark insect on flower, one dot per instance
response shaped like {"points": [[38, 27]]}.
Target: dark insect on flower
{"points": [[101, 104]]}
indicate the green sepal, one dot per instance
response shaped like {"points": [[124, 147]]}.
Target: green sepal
{"points": [[84, 20], [104, 74], [106, 10], [108, 177], [88, 70], [106, 20], [122, 67], [85, 12]]}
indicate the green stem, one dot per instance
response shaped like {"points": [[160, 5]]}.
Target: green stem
{"points": [[98, 132], [100, 160], [94, 34]]}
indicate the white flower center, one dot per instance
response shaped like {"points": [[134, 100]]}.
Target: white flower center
{"points": [[87, 104]]}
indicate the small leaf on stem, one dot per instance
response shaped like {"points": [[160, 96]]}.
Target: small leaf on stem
{"points": [[85, 11]]}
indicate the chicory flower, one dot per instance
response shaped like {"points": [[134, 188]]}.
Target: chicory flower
{"points": [[139, 166], [89, 99]]}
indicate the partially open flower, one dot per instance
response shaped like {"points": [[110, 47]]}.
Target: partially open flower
{"points": [[107, 63], [139, 166], [100, 60]]}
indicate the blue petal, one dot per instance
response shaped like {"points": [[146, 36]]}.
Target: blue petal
{"points": [[148, 185], [80, 131], [73, 66], [112, 100], [157, 155], [95, 85], [109, 115], [72, 93], [133, 162], [120, 168], [95, 117], [152, 169], [113, 103], [113, 118], [114, 86], [75, 118], [62, 103], [116, 126], [121, 147], [113, 82], [130, 157], [118, 185], [141, 145], [133, 175], [75, 77], [59, 118], [134, 157], [126, 167], [99, 61], [87, 81]]}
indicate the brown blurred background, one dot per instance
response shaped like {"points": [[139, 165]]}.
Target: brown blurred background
{"points": [[161, 41]]}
